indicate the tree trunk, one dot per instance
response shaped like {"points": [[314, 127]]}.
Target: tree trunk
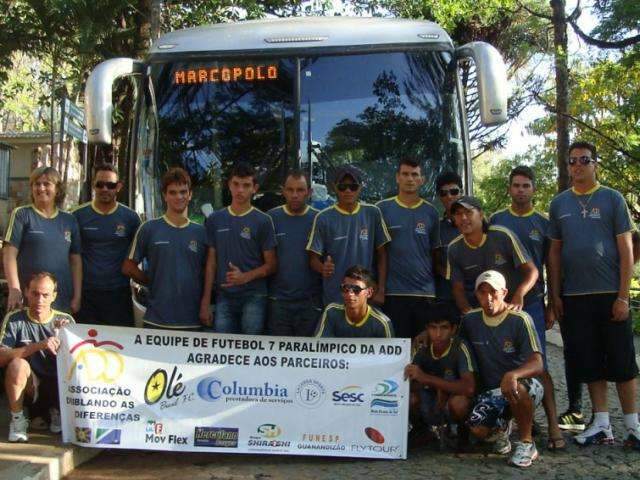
{"points": [[562, 91]]}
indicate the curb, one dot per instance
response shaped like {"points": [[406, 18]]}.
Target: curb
{"points": [[44, 458]]}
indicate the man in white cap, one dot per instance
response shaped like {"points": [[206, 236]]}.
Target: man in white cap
{"points": [[509, 357]]}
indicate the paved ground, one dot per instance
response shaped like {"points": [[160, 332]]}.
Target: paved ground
{"points": [[612, 462]]}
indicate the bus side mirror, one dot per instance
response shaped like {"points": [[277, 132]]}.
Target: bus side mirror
{"points": [[493, 88], [98, 93]]}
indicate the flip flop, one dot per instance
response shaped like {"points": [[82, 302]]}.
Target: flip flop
{"points": [[556, 444]]}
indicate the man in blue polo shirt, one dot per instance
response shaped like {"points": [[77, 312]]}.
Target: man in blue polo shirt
{"points": [[295, 302], [480, 247], [354, 317], [532, 229], [107, 229], [449, 189], [591, 262], [507, 349], [413, 225], [175, 250], [28, 346], [240, 257], [348, 233]]}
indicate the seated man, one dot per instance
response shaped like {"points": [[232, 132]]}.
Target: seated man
{"points": [[508, 351], [28, 348], [443, 370], [356, 318]]}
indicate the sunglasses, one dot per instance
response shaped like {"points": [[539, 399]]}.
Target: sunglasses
{"points": [[109, 185], [584, 160], [343, 187], [356, 289], [452, 191]]}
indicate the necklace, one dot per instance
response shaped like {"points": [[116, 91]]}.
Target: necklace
{"points": [[584, 205]]}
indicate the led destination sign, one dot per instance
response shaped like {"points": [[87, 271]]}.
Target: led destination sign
{"points": [[225, 74]]}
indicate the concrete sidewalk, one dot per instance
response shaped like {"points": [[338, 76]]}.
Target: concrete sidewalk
{"points": [[45, 457]]}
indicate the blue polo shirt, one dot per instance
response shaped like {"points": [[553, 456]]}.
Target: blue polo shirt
{"points": [[456, 360], [334, 323], [532, 229], [241, 240], [448, 233], [44, 244], [294, 280], [499, 250], [106, 238], [588, 225], [19, 330], [414, 234], [350, 238], [501, 344], [175, 256]]}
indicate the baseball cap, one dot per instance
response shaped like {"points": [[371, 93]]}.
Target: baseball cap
{"points": [[493, 278], [350, 171], [467, 202]]}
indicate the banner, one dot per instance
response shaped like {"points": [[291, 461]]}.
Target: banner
{"points": [[192, 391]]}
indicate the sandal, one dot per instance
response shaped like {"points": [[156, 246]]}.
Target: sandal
{"points": [[556, 444]]}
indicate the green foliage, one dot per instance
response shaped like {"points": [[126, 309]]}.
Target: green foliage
{"points": [[21, 97], [618, 18], [604, 106]]}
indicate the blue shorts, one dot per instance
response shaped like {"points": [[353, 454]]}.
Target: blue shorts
{"points": [[536, 312], [491, 409]]}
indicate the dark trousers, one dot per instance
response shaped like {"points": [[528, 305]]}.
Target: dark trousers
{"points": [[107, 307], [294, 318], [408, 314]]}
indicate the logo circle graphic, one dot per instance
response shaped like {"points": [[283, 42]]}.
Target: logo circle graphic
{"points": [[374, 435], [310, 393], [209, 389], [155, 387]]}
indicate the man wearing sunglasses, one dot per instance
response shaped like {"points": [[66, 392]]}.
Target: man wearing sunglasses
{"points": [[482, 247], [449, 189], [354, 318], [591, 262], [107, 229], [348, 233], [413, 225]]}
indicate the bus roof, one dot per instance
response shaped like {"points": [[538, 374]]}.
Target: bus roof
{"points": [[264, 36]]}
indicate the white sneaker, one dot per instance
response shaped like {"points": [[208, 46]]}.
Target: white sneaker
{"points": [[55, 425], [500, 439], [524, 455], [18, 429], [595, 435]]}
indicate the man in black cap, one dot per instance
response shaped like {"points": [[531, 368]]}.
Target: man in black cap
{"points": [[348, 233], [481, 247]]}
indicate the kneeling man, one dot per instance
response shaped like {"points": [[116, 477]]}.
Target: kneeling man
{"points": [[443, 373], [28, 349], [508, 352], [355, 318]]}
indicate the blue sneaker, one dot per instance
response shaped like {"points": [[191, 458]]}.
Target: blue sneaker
{"points": [[595, 435], [633, 439]]}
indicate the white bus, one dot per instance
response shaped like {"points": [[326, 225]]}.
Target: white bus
{"points": [[311, 93]]}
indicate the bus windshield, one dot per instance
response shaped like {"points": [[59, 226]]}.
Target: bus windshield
{"points": [[314, 113]]}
